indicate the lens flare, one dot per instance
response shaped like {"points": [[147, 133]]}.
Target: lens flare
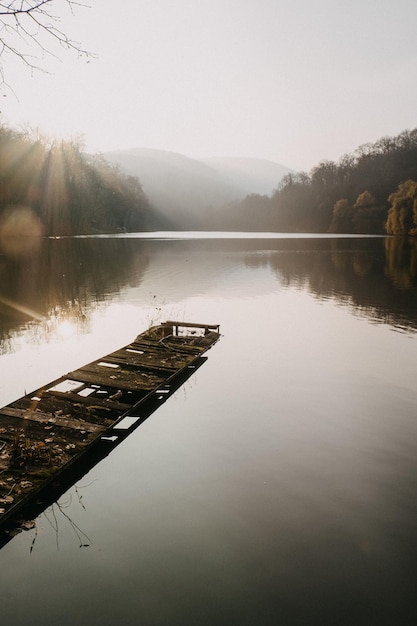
{"points": [[20, 231]]}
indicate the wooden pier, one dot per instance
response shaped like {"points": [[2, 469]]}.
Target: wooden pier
{"points": [[51, 437]]}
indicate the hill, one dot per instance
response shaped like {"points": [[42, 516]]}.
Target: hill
{"points": [[186, 190], [371, 191], [249, 175]]}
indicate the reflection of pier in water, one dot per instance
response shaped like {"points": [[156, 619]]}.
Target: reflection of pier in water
{"points": [[52, 437]]}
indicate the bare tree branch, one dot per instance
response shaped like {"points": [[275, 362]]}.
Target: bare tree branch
{"points": [[30, 31]]}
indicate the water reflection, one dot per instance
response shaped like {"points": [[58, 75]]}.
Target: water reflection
{"points": [[55, 287], [376, 277], [62, 513], [282, 489]]}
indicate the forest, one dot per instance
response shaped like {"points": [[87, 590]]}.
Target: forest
{"points": [[372, 191], [54, 188]]}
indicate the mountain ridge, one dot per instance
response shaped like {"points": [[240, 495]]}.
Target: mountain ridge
{"points": [[185, 189]]}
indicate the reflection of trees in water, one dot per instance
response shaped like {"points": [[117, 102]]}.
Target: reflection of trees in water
{"points": [[65, 277], [401, 261], [62, 278], [376, 276]]}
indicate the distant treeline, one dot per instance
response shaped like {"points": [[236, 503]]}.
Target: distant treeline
{"points": [[56, 188], [373, 190]]}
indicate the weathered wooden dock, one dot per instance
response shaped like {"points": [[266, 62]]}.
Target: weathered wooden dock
{"points": [[51, 437]]}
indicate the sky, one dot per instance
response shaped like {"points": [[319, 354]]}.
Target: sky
{"points": [[292, 81]]}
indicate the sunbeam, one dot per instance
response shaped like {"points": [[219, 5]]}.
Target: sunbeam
{"points": [[21, 308]]}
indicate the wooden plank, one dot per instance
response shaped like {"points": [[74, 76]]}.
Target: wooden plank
{"points": [[131, 381], [142, 360], [146, 367], [48, 418], [156, 355], [144, 344], [91, 401], [123, 372], [180, 347], [169, 349], [214, 327]]}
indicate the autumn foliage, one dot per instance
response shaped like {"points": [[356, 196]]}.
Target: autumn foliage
{"points": [[371, 191]]}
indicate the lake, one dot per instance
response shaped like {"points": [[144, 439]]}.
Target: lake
{"points": [[279, 484]]}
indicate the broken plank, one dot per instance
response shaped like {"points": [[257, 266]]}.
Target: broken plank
{"points": [[131, 381], [159, 350], [91, 401], [48, 418], [123, 357]]}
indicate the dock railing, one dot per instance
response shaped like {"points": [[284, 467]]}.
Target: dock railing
{"points": [[177, 329]]}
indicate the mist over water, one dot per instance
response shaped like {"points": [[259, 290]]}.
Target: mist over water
{"points": [[278, 485]]}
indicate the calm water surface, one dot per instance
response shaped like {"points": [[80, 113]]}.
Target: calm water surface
{"points": [[279, 485]]}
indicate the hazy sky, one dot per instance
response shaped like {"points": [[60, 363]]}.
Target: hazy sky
{"points": [[294, 81]]}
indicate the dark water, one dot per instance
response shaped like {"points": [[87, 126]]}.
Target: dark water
{"points": [[279, 485]]}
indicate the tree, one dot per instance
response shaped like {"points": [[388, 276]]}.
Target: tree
{"points": [[368, 217], [342, 217], [66, 191], [30, 30], [332, 197], [402, 216]]}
